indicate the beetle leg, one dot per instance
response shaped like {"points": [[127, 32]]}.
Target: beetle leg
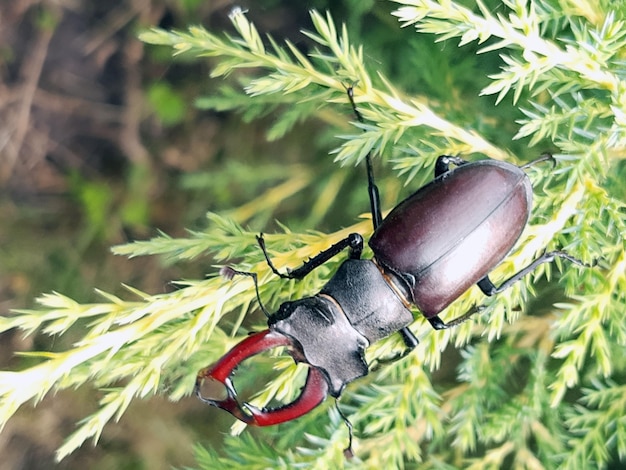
{"points": [[490, 289], [410, 341], [313, 392], [544, 157], [442, 165], [354, 242], [438, 324], [377, 217], [372, 189], [374, 194], [347, 452]]}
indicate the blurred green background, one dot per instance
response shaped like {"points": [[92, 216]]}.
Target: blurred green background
{"points": [[103, 140]]}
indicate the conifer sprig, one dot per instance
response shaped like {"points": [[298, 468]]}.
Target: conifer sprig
{"points": [[508, 404]]}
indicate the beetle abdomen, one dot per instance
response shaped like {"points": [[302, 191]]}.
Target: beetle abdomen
{"points": [[450, 233]]}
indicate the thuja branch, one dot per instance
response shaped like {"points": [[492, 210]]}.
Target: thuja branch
{"points": [[155, 342], [521, 30], [341, 65], [164, 339]]}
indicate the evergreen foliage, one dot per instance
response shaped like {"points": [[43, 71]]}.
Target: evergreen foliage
{"points": [[538, 384]]}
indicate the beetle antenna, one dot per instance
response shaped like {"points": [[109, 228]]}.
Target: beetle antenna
{"points": [[229, 273], [347, 452]]}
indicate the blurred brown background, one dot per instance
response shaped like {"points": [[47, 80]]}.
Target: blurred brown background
{"points": [[97, 132]]}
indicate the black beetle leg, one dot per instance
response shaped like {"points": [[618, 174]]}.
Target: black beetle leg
{"points": [[347, 452], [354, 242], [410, 342], [377, 217], [490, 289], [372, 189], [442, 165], [543, 158], [438, 324]]}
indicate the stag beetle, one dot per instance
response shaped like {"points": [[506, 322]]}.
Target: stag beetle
{"points": [[429, 249]]}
